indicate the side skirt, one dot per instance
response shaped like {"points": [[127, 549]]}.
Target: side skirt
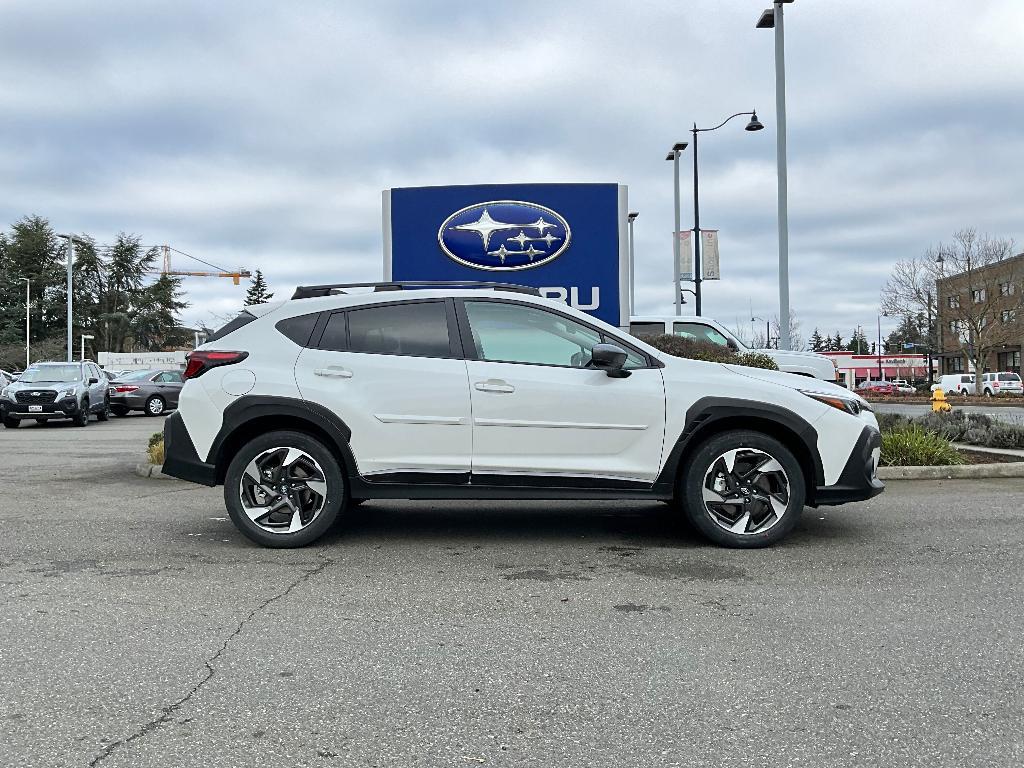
{"points": [[504, 487]]}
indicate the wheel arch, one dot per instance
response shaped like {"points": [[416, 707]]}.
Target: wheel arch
{"points": [[713, 416], [249, 417]]}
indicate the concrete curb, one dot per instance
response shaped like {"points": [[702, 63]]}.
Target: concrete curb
{"points": [[152, 471], [956, 472]]}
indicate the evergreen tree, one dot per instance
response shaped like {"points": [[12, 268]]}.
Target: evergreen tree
{"points": [[817, 343], [858, 343], [257, 293], [907, 332], [837, 342]]}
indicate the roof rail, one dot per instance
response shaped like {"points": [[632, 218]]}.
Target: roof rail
{"points": [[328, 289]]}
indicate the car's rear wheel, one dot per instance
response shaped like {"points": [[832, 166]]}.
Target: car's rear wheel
{"points": [[743, 489], [284, 489], [11, 423], [155, 406], [119, 410]]}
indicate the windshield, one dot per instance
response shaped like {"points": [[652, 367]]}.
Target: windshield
{"points": [[1009, 377], [51, 374], [135, 376]]}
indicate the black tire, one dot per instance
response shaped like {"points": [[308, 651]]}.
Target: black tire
{"points": [[334, 499], [155, 406], [81, 419], [354, 503], [700, 463], [11, 423], [104, 415], [119, 410]]}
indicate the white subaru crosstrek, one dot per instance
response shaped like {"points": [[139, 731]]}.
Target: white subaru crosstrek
{"points": [[486, 391]]}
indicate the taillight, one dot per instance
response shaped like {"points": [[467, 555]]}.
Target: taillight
{"points": [[124, 388], [200, 361]]}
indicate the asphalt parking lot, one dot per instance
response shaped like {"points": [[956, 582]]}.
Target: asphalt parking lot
{"points": [[139, 629]]}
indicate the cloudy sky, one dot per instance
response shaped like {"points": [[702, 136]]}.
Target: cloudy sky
{"points": [[262, 133]]}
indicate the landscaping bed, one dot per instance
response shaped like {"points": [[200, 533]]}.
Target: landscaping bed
{"points": [[928, 440]]}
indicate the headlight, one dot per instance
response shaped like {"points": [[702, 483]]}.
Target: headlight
{"points": [[4, 392], [848, 404], [65, 393]]}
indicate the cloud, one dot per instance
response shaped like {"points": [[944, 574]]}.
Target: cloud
{"points": [[260, 134]]}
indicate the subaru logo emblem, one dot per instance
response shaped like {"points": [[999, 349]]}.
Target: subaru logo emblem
{"points": [[504, 235], [35, 394]]}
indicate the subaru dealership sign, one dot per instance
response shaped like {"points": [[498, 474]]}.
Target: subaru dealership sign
{"points": [[568, 240]]}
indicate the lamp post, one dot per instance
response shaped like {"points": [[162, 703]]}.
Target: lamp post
{"points": [[673, 155], [72, 239], [773, 19], [767, 331], [753, 125], [28, 318], [878, 349], [632, 265], [84, 337]]}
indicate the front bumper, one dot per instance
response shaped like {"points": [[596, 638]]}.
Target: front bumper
{"points": [[859, 479], [62, 409]]}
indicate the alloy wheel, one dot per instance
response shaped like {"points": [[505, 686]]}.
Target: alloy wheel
{"points": [[283, 490], [155, 406], [746, 491]]}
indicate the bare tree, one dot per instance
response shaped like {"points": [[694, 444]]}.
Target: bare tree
{"points": [[981, 290], [795, 338]]}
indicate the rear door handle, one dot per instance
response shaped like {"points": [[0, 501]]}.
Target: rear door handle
{"points": [[495, 385], [333, 372]]}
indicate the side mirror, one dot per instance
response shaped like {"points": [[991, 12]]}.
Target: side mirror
{"points": [[732, 345], [94, 381], [610, 359]]}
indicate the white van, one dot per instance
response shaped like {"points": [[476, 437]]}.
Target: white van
{"points": [[957, 384]]}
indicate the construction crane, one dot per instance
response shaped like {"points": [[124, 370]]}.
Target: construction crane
{"points": [[166, 268]]}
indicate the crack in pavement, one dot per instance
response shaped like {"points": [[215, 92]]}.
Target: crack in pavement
{"points": [[169, 710]]}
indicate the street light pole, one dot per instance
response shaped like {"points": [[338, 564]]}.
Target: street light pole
{"points": [[774, 18], [673, 155], [753, 125], [71, 260], [632, 265], [28, 318]]}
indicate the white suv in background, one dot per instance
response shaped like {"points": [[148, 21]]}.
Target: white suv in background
{"points": [[1001, 383], [705, 329], [486, 391]]}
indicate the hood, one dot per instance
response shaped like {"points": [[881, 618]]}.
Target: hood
{"points": [[793, 381], [790, 353]]}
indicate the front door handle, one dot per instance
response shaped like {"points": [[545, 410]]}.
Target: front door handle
{"points": [[495, 385], [333, 372]]}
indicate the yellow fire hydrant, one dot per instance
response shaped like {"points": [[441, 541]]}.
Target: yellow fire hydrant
{"points": [[939, 402]]}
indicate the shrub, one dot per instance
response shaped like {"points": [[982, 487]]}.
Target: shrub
{"points": [[888, 421], [757, 360], [911, 445], [1005, 436], [976, 436], [156, 449], [694, 349]]}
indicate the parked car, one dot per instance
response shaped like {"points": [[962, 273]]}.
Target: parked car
{"points": [[705, 329], [1001, 383], [302, 408], [878, 388], [957, 383], [48, 391], [904, 387], [115, 374], [152, 392]]}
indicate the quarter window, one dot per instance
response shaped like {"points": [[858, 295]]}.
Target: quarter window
{"points": [[513, 333], [419, 329]]}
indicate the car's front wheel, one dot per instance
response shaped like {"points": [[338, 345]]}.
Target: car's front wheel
{"points": [[284, 489], [743, 489], [11, 423], [104, 414], [81, 419]]}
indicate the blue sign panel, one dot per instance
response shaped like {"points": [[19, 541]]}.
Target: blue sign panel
{"points": [[568, 240]]}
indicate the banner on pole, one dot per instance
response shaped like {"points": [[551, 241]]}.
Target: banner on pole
{"points": [[709, 254], [685, 255]]}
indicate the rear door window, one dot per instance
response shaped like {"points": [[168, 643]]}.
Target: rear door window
{"points": [[646, 329], [419, 329]]}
